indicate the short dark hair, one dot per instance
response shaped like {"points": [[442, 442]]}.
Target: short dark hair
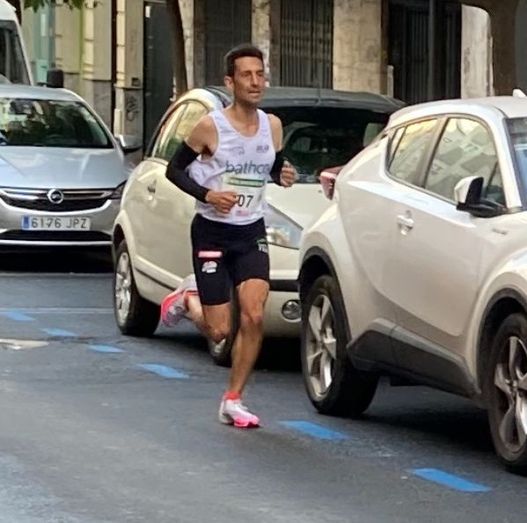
{"points": [[240, 51]]}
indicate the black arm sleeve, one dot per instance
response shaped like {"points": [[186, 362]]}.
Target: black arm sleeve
{"points": [[177, 172], [276, 169]]}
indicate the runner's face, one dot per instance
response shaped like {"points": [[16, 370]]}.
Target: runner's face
{"points": [[248, 82]]}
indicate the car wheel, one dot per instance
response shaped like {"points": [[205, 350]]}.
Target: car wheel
{"points": [[333, 385], [507, 393], [135, 316], [221, 353]]}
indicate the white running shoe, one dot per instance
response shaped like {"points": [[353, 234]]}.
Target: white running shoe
{"points": [[234, 412], [174, 306]]}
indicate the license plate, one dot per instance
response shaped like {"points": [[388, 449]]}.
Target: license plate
{"points": [[55, 223]]}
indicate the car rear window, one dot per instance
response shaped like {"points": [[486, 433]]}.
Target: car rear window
{"points": [[316, 138]]}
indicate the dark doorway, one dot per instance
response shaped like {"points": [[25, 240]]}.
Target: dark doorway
{"points": [[408, 49], [158, 76], [521, 45]]}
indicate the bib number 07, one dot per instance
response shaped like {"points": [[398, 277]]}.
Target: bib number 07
{"points": [[244, 200]]}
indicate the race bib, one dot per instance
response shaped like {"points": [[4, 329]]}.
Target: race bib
{"points": [[250, 191]]}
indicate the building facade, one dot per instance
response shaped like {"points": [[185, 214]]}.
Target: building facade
{"points": [[116, 53]]}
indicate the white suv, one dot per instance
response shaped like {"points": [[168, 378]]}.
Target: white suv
{"points": [[419, 267]]}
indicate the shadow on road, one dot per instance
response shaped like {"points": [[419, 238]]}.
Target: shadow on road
{"points": [[56, 261], [446, 421], [278, 354]]}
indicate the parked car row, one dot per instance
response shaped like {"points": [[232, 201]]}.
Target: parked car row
{"points": [[400, 251]]}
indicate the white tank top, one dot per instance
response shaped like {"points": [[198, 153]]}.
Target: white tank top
{"points": [[241, 164]]}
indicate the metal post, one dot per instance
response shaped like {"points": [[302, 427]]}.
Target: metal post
{"points": [[432, 51]]}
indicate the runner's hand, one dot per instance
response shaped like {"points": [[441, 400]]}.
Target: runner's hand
{"points": [[287, 175], [223, 201]]}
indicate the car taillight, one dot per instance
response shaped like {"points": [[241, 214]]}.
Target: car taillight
{"points": [[328, 177]]}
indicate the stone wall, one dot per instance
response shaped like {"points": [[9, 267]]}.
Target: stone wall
{"points": [[476, 64], [128, 113], [358, 46], [96, 84], [261, 30]]}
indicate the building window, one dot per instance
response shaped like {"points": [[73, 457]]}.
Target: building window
{"points": [[227, 23], [306, 43]]}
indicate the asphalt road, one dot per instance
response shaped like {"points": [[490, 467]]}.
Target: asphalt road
{"points": [[97, 427]]}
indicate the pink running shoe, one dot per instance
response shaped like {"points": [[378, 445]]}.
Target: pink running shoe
{"points": [[174, 306], [234, 412]]}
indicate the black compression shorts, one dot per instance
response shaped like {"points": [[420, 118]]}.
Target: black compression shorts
{"points": [[226, 255]]}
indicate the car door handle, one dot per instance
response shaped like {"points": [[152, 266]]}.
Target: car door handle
{"points": [[151, 188], [405, 222]]}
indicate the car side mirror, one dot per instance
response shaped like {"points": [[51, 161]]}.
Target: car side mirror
{"points": [[468, 191], [129, 143], [469, 198], [55, 78]]}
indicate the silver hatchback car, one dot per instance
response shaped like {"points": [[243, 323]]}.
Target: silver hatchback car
{"points": [[61, 171]]}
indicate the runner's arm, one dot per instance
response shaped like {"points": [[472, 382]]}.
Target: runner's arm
{"points": [[276, 169], [177, 172], [186, 153], [277, 133]]}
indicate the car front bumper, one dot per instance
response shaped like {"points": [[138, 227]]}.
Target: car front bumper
{"points": [[282, 311], [276, 324], [99, 235]]}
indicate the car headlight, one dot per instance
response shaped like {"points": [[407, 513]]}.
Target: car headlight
{"points": [[118, 192], [281, 230]]}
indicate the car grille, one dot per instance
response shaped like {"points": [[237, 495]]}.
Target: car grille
{"points": [[55, 236], [74, 199]]}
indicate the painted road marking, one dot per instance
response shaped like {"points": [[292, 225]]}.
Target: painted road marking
{"points": [[21, 344], [59, 310], [106, 349], [60, 332], [17, 316], [163, 371], [315, 430], [450, 480]]}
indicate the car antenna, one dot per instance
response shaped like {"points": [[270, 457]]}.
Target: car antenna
{"points": [[518, 93]]}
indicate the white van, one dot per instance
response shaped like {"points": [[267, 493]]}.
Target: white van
{"points": [[14, 65]]}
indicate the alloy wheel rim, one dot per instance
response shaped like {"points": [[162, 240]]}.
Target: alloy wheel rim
{"points": [[123, 288], [321, 345], [510, 380]]}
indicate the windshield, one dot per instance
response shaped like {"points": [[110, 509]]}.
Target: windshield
{"points": [[47, 123], [518, 132], [12, 64], [319, 137]]}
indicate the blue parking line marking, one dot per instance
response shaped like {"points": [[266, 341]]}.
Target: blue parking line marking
{"points": [[105, 349], [60, 332], [315, 430], [164, 371], [17, 316], [450, 480]]}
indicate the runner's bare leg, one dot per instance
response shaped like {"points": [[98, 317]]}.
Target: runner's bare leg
{"points": [[252, 295], [214, 321]]}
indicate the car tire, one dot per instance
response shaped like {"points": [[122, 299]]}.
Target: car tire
{"points": [[506, 393], [333, 384], [134, 315], [221, 353]]}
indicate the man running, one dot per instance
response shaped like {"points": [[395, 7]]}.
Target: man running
{"points": [[225, 164]]}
